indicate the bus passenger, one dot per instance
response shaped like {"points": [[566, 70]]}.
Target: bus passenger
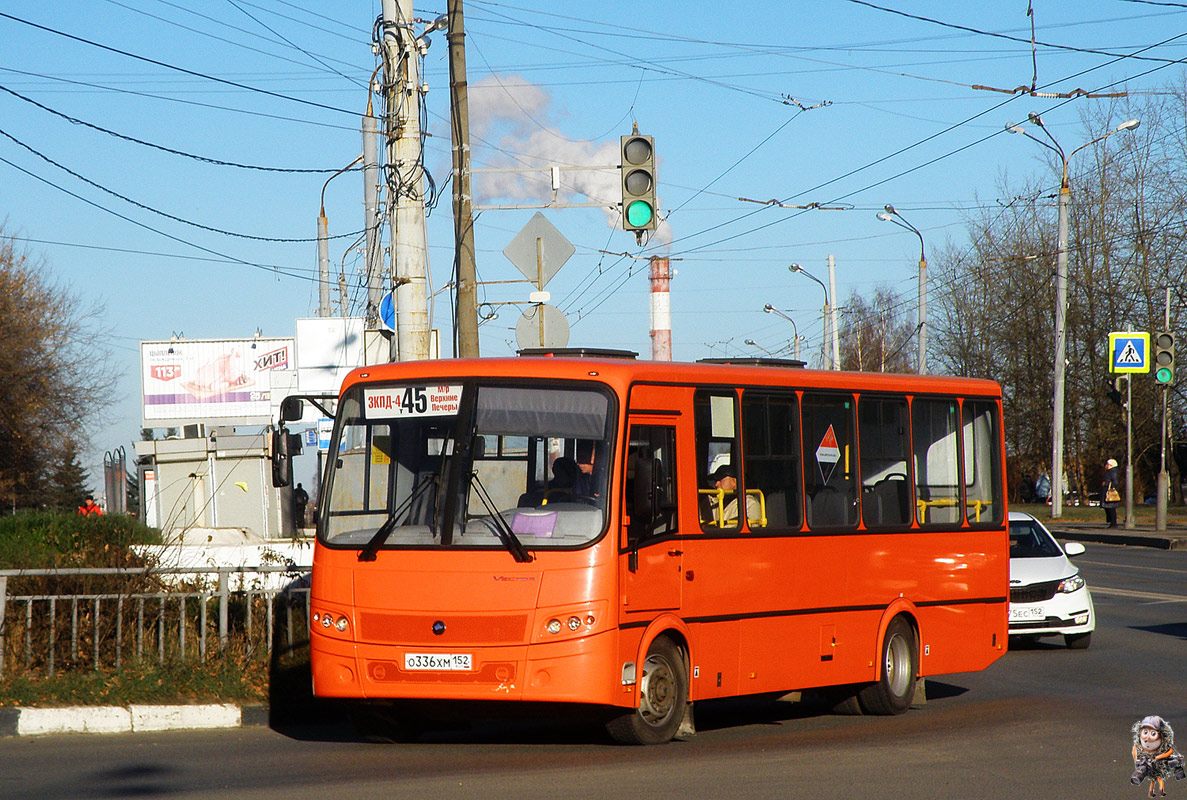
{"points": [[724, 479]]}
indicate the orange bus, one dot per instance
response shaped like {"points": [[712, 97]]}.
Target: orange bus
{"points": [[631, 537]]}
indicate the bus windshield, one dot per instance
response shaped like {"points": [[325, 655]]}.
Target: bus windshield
{"points": [[468, 465]]}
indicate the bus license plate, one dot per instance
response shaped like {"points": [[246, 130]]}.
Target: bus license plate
{"points": [[445, 662]]}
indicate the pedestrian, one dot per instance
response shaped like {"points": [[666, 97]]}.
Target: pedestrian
{"points": [[1042, 487], [1110, 492], [300, 500], [90, 508]]}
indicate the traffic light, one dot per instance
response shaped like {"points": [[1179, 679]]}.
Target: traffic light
{"points": [[639, 211], [1164, 357]]}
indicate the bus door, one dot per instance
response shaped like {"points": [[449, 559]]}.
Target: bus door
{"points": [[654, 567]]}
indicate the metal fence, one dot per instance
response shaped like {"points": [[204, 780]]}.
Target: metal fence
{"points": [[182, 615]]}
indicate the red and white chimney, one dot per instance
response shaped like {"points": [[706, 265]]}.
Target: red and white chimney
{"points": [[661, 310]]}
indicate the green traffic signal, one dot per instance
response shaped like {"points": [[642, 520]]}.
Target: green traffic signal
{"points": [[1164, 375], [639, 214]]}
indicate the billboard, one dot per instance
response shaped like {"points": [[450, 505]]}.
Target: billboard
{"points": [[196, 380]]}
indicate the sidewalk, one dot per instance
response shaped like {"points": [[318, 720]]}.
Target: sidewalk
{"points": [[1142, 534]]}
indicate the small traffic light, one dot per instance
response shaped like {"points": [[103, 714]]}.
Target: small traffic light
{"points": [[639, 211], [1164, 357]]}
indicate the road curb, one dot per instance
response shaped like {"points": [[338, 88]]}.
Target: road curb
{"points": [[1125, 539], [128, 719]]}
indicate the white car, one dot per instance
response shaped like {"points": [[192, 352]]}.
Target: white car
{"points": [[1047, 595]]}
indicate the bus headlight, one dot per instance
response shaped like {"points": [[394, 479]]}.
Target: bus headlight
{"points": [[554, 626], [341, 623], [574, 623]]}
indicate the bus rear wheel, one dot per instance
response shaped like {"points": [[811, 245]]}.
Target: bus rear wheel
{"points": [[895, 688], [663, 697]]}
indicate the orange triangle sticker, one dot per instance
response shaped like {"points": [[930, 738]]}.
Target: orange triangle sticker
{"points": [[830, 439]]}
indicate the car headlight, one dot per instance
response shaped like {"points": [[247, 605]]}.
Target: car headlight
{"points": [[1069, 585]]}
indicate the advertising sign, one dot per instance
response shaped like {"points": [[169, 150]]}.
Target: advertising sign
{"points": [[195, 380]]}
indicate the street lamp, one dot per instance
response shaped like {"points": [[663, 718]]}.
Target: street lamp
{"points": [[892, 215], [753, 343], [835, 356], [795, 331], [1065, 199]]}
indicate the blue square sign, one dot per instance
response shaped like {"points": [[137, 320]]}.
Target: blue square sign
{"points": [[1129, 351]]}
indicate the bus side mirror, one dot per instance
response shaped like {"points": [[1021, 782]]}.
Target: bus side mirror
{"points": [[291, 409], [285, 445]]}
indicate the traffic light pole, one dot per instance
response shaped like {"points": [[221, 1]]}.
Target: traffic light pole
{"points": [[1163, 484]]}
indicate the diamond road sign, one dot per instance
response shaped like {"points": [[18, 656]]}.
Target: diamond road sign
{"points": [[1129, 351], [539, 250]]}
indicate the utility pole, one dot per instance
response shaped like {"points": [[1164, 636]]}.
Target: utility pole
{"points": [[466, 312], [374, 254], [1057, 488], [832, 290], [405, 179]]}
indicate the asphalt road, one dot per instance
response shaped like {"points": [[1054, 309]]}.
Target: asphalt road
{"points": [[1043, 722]]}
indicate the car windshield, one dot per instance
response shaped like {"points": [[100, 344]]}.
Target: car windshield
{"points": [[1028, 539], [467, 465]]}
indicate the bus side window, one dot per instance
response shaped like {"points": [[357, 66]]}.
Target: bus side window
{"points": [[770, 446], [716, 448], [936, 449], [650, 490], [886, 488], [982, 472], [829, 480]]}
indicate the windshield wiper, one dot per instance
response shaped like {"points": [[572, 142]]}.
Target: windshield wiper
{"points": [[389, 525], [501, 529]]}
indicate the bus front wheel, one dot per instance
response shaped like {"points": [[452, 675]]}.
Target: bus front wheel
{"points": [[895, 689], [663, 696]]}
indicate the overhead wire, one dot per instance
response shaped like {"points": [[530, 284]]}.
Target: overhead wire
{"points": [[162, 148], [174, 67], [157, 211]]}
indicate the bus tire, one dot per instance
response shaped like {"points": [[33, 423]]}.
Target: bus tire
{"points": [[895, 687], [663, 698]]}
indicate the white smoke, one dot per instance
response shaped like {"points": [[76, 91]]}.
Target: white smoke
{"points": [[512, 122]]}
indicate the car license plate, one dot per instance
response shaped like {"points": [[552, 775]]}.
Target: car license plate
{"points": [[445, 662], [1025, 613]]}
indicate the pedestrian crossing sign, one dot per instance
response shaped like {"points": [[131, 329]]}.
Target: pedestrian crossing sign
{"points": [[1129, 351]]}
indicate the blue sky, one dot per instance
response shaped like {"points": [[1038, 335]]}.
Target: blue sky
{"points": [[841, 103]]}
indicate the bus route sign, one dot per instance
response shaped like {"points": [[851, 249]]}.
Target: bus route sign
{"points": [[1129, 351]]}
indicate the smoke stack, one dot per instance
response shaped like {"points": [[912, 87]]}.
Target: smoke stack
{"points": [[661, 310]]}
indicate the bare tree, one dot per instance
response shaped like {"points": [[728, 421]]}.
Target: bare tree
{"points": [[55, 380], [875, 336], [1127, 243]]}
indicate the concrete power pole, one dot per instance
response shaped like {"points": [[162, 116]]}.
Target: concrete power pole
{"points": [[463, 214], [405, 179], [832, 290], [374, 254]]}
